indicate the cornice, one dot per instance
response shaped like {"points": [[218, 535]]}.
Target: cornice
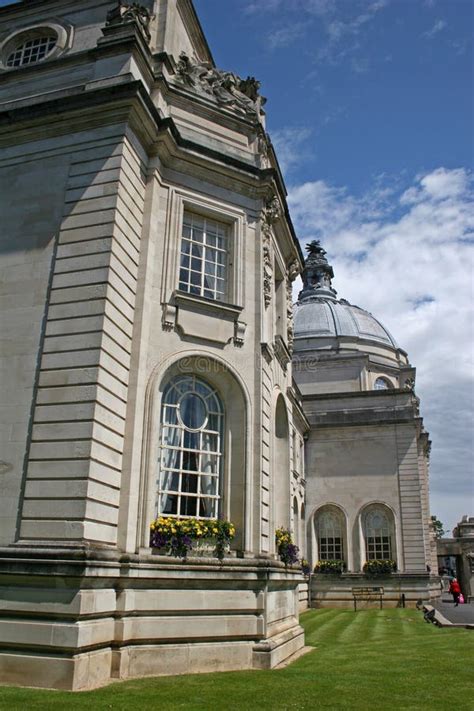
{"points": [[354, 394]]}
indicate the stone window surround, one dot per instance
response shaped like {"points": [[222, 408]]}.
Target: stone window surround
{"points": [[63, 34], [354, 533], [181, 201], [393, 530], [237, 445], [339, 514]]}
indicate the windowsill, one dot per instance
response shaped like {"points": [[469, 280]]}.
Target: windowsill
{"points": [[184, 299]]}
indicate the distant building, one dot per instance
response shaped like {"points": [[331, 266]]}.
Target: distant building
{"points": [[456, 555], [147, 338], [367, 452]]}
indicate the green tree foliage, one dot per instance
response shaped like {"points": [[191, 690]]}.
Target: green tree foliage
{"points": [[438, 527]]}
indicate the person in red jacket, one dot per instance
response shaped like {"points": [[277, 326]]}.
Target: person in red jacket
{"points": [[455, 591]]}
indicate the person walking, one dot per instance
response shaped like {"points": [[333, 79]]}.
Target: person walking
{"points": [[455, 590]]}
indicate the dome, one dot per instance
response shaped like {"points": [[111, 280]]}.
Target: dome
{"points": [[332, 318], [322, 321]]}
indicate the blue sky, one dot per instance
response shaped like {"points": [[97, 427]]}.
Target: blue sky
{"points": [[370, 108], [383, 86]]}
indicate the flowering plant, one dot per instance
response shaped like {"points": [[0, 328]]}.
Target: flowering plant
{"points": [[286, 549], [178, 535], [305, 566], [380, 567], [330, 567]]}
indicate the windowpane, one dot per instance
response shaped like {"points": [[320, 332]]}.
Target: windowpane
{"points": [[190, 449], [206, 241], [32, 50], [377, 535], [329, 531]]}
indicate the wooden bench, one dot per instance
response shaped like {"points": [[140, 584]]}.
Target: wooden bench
{"points": [[367, 595]]}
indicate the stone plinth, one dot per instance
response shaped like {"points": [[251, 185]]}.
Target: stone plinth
{"points": [[75, 619]]}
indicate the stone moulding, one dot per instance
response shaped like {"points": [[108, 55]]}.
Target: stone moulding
{"points": [[271, 212], [76, 619]]}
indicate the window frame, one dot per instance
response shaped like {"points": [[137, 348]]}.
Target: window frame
{"points": [[330, 548], [382, 544], [181, 201], [206, 247], [17, 38], [384, 379], [181, 450]]}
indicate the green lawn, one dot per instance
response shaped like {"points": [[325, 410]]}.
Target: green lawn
{"points": [[372, 659]]}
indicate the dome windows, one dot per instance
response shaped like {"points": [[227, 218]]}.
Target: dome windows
{"points": [[34, 45], [382, 384]]}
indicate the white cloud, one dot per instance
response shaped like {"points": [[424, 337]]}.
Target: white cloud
{"points": [[438, 27], [284, 36], [289, 144], [341, 26], [406, 256]]}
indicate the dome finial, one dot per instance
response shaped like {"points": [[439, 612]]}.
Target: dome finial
{"points": [[317, 274]]}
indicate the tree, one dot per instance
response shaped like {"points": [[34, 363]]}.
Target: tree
{"points": [[437, 527]]}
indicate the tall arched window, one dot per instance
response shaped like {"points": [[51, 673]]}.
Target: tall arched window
{"points": [[281, 466], [296, 523], [330, 534], [191, 449], [378, 537]]}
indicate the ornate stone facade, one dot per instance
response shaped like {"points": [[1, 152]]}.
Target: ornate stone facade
{"points": [[140, 275]]}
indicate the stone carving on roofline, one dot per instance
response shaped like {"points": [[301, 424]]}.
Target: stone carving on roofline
{"points": [[125, 12], [317, 274], [270, 214], [292, 273], [228, 89]]}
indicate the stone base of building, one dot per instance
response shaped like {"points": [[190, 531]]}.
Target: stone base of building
{"points": [[76, 619], [399, 590]]}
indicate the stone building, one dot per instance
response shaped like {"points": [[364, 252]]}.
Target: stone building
{"points": [[147, 261], [456, 555], [367, 452], [147, 337]]}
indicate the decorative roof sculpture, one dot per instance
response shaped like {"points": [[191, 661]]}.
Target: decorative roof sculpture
{"points": [[317, 275], [125, 12], [319, 314], [226, 88]]}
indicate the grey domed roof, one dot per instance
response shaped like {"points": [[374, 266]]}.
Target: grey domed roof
{"points": [[320, 314], [325, 317]]}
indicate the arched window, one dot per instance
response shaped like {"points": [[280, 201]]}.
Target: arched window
{"points": [[32, 49], [296, 523], [191, 449], [281, 466], [382, 384], [330, 534], [378, 535]]}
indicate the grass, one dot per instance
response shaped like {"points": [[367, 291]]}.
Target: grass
{"points": [[373, 659]]}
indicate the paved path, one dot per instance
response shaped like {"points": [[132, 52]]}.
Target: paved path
{"points": [[462, 614]]}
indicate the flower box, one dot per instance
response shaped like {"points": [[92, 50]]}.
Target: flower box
{"points": [[330, 567], [191, 537], [374, 568]]}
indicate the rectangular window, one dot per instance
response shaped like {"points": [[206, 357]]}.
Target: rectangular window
{"points": [[379, 548], [203, 261], [330, 548]]}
